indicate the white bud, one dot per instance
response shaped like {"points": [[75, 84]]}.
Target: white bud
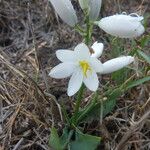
{"points": [[84, 4], [65, 10], [116, 64], [95, 6], [122, 25]]}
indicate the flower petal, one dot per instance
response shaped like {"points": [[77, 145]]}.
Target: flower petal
{"points": [[139, 31], [121, 25], [75, 82], [96, 64], [62, 70], [95, 6], [116, 64], [66, 55], [84, 4], [91, 81], [98, 49], [65, 10], [82, 51]]}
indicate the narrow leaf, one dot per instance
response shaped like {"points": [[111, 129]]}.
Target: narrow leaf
{"points": [[102, 107], [145, 56], [137, 82]]}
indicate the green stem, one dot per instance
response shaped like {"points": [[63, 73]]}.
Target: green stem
{"points": [[79, 29], [90, 107], [79, 98], [80, 93], [66, 117], [88, 31], [78, 102]]}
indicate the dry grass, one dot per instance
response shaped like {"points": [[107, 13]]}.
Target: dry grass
{"points": [[30, 33]]}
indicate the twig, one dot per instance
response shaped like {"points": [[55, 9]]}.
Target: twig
{"points": [[1, 111], [18, 144], [132, 129]]}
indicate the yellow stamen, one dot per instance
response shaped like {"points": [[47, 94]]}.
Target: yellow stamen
{"points": [[85, 67]]}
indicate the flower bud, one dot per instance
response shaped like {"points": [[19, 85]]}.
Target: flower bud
{"points": [[122, 25], [84, 4], [66, 11], [93, 6], [116, 64]]}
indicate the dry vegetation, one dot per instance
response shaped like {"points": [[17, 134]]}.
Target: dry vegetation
{"points": [[30, 32]]}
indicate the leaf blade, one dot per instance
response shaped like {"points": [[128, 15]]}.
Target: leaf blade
{"points": [[85, 142], [137, 82], [54, 141], [143, 55]]}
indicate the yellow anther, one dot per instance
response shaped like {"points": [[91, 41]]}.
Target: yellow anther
{"points": [[85, 67]]}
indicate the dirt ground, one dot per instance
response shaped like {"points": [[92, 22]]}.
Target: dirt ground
{"points": [[30, 33]]}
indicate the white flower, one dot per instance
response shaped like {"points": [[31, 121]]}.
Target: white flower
{"points": [[122, 25], [93, 6], [65, 10], [83, 68], [80, 65]]}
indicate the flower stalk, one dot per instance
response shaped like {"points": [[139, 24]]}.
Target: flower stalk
{"points": [[81, 91], [78, 102], [89, 108], [88, 30]]}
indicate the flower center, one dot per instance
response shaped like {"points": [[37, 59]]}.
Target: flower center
{"points": [[85, 67]]}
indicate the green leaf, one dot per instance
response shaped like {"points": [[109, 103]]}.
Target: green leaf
{"points": [[54, 141], [137, 82], [60, 143], [120, 76], [66, 136], [84, 142], [145, 56], [102, 107], [144, 41]]}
